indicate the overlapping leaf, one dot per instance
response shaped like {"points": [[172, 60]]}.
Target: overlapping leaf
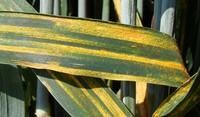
{"points": [[182, 100], [59, 87], [16, 5], [90, 48], [89, 96]]}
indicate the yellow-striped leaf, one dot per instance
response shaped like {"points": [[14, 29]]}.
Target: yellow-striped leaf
{"points": [[101, 102], [90, 48], [182, 100], [82, 96]]}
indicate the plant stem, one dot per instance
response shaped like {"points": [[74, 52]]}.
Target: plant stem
{"points": [[106, 10], [128, 12], [56, 7], [46, 6], [167, 16], [64, 7], [82, 8], [42, 104], [128, 95]]}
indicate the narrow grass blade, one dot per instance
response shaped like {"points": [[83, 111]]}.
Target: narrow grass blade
{"points": [[117, 5], [182, 100], [140, 8], [11, 92], [16, 5], [88, 96], [138, 20], [66, 45]]}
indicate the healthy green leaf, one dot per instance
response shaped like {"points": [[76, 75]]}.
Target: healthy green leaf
{"points": [[90, 48], [88, 96], [11, 92], [182, 100]]}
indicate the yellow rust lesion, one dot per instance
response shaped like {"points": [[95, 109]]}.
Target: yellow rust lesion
{"points": [[108, 30], [67, 90], [88, 27], [21, 49], [98, 74], [89, 96], [105, 97], [54, 63], [64, 51], [43, 33], [118, 32], [175, 98], [78, 99], [107, 54]]}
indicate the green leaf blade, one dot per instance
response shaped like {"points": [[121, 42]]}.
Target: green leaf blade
{"points": [[66, 45], [182, 100], [16, 5], [11, 92], [91, 97]]}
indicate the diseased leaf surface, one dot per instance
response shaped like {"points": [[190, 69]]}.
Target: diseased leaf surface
{"points": [[88, 96], [182, 100], [90, 48], [89, 101]]}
